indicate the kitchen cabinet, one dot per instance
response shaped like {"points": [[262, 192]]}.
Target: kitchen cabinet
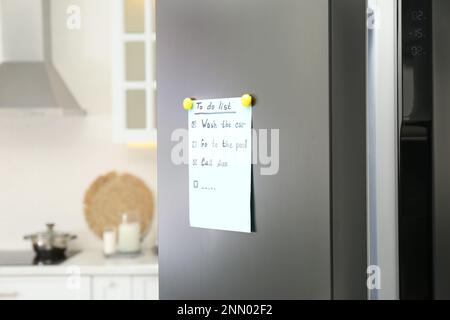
{"points": [[133, 74], [145, 288], [125, 288], [111, 288], [88, 287], [44, 288], [85, 276]]}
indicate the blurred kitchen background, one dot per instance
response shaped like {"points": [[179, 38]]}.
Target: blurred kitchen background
{"points": [[77, 96]]}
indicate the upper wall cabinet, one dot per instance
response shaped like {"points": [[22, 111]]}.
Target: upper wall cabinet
{"points": [[133, 72]]}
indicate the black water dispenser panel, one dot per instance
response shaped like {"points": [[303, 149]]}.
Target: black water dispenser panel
{"points": [[415, 154], [417, 60]]}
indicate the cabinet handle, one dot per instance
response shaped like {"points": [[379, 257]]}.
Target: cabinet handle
{"points": [[8, 295]]}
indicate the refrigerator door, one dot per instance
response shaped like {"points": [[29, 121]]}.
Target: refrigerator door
{"points": [[280, 52]]}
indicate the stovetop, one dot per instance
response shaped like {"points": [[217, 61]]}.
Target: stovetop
{"points": [[29, 258]]}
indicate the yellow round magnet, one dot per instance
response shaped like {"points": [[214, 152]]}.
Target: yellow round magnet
{"points": [[188, 104], [247, 100]]}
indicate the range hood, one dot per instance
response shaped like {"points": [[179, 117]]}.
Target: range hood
{"points": [[29, 82], [34, 88]]}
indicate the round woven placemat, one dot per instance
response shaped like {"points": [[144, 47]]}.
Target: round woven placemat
{"points": [[112, 195]]}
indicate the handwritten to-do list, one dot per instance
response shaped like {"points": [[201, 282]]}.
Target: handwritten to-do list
{"points": [[220, 144]]}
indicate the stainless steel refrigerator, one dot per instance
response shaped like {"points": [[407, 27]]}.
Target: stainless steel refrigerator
{"points": [[424, 157], [408, 145], [305, 63]]}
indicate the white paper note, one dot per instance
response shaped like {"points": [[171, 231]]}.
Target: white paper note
{"points": [[220, 144]]}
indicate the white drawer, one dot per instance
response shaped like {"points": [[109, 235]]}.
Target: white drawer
{"points": [[111, 288], [44, 288], [145, 288]]}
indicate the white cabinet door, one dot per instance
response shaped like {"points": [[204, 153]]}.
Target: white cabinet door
{"points": [[44, 288], [145, 288], [133, 71], [111, 288]]}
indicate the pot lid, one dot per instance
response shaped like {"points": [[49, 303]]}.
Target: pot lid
{"points": [[49, 233]]}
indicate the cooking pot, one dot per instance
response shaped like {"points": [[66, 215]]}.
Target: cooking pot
{"points": [[50, 244]]}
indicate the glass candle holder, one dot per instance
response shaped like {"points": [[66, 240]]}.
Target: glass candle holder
{"points": [[109, 241], [129, 234]]}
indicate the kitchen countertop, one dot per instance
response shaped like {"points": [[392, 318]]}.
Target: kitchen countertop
{"points": [[91, 263]]}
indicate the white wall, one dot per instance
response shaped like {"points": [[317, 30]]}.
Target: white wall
{"points": [[47, 164], [83, 57], [22, 30]]}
